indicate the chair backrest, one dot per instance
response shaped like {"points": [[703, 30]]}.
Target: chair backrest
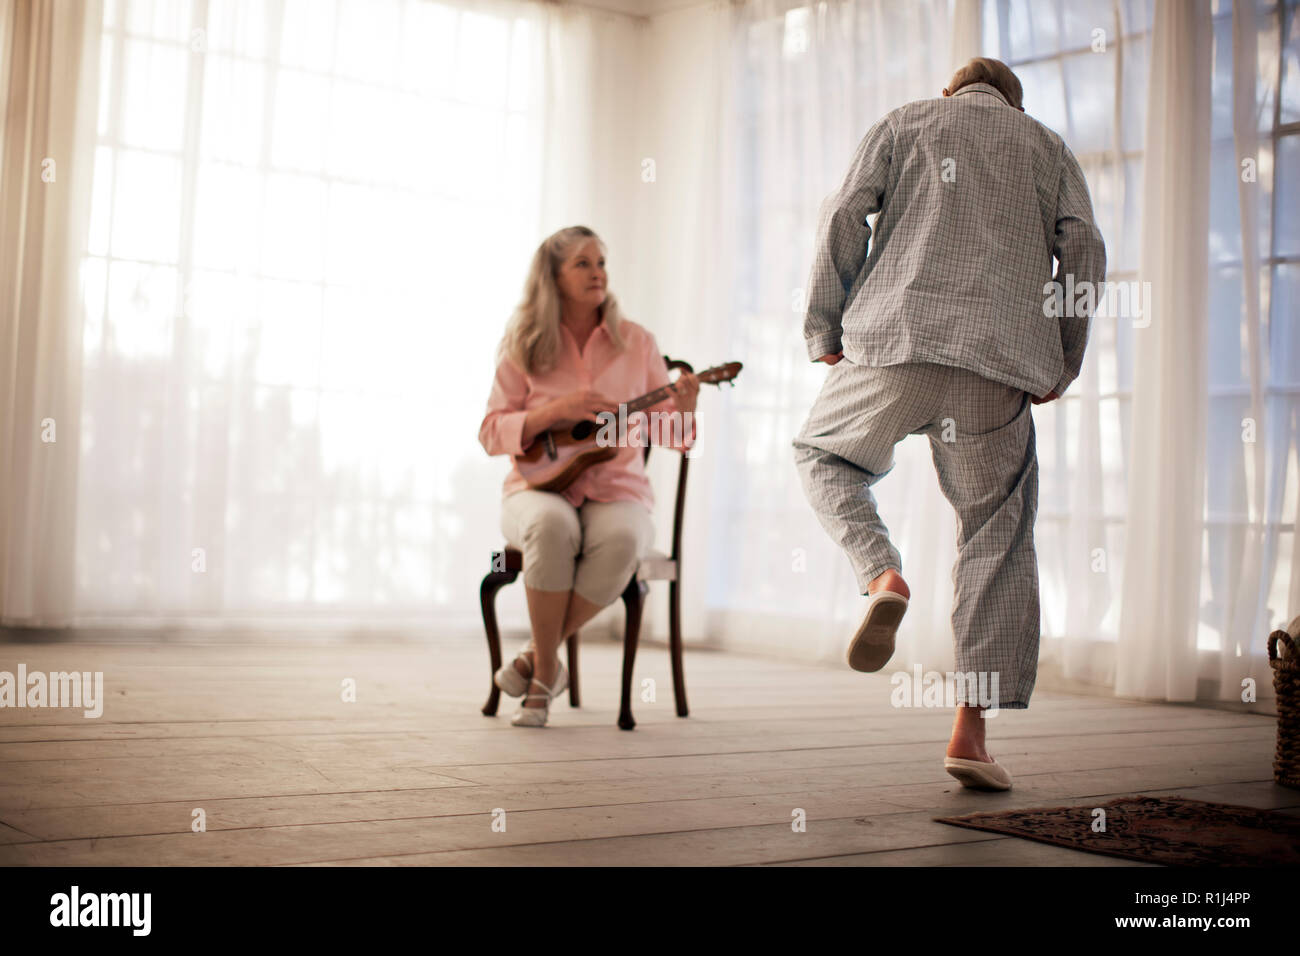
{"points": [[680, 503]]}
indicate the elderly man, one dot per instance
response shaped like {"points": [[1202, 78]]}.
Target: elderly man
{"points": [[946, 324]]}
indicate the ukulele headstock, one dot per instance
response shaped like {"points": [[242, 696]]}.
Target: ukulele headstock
{"points": [[720, 373]]}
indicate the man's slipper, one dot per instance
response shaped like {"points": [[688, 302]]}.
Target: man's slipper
{"points": [[873, 645], [977, 774]]}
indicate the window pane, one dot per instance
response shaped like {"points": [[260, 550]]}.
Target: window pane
{"points": [[1137, 69], [1225, 225], [484, 46], [1081, 18], [293, 234], [163, 19], [1030, 28], [1291, 65], [146, 220], [368, 40], [154, 80], [1045, 94], [1225, 307], [1090, 80], [1287, 177], [237, 25], [1128, 245], [234, 95], [1285, 325], [1137, 14], [1266, 67], [298, 132], [362, 132], [429, 37], [307, 38], [141, 303], [227, 202], [288, 316]]}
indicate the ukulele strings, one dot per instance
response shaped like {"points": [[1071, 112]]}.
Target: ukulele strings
{"points": [[659, 394]]}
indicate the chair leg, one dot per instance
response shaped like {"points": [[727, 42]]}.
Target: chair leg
{"points": [[634, 597], [493, 582], [675, 647], [572, 644]]}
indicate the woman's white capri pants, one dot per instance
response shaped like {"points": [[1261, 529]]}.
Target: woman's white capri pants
{"points": [[592, 549]]}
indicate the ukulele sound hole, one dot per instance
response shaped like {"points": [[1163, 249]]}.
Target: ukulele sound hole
{"points": [[583, 430]]}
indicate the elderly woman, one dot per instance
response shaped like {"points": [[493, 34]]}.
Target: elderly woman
{"points": [[567, 356]]}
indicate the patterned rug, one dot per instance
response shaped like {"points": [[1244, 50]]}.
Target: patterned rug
{"points": [[1169, 830]]}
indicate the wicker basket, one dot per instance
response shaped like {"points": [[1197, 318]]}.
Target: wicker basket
{"points": [[1286, 682]]}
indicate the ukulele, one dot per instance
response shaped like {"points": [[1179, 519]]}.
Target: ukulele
{"points": [[555, 458]]}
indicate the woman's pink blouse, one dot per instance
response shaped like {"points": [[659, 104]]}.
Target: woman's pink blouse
{"points": [[622, 375]]}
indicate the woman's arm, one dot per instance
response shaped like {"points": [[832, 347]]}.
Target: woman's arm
{"points": [[538, 420], [506, 426]]}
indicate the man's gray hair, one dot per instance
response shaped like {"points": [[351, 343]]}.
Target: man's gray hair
{"points": [[995, 73]]}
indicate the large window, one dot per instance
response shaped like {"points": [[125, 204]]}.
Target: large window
{"points": [[293, 278]]}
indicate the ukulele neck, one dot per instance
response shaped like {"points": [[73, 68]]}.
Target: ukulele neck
{"points": [[648, 399]]}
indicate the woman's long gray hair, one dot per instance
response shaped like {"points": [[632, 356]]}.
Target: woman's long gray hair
{"points": [[532, 336]]}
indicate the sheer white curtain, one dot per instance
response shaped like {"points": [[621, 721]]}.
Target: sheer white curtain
{"points": [[47, 82], [1166, 482], [308, 222], [1252, 566], [682, 253], [1221, 569], [809, 80]]}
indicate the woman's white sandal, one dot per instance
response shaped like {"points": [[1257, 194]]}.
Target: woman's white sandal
{"points": [[510, 680], [536, 716]]}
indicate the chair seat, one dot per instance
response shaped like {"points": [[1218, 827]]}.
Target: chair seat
{"points": [[657, 566]]}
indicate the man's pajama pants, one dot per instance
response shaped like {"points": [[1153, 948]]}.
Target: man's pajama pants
{"points": [[982, 441]]}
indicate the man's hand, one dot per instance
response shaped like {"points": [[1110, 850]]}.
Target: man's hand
{"points": [[1049, 397], [831, 359]]}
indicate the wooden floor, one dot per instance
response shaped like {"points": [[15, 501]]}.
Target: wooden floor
{"points": [[288, 774]]}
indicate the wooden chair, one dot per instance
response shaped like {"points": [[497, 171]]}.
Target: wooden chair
{"points": [[655, 566]]}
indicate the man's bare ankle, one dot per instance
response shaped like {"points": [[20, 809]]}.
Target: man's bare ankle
{"points": [[889, 580], [968, 751]]}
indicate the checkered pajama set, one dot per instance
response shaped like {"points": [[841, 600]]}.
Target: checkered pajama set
{"points": [[944, 334]]}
